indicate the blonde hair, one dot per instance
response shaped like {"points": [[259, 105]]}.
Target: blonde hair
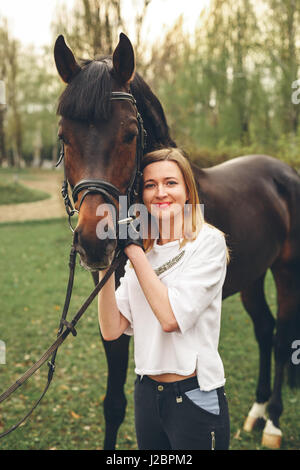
{"points": [[195, 219]]}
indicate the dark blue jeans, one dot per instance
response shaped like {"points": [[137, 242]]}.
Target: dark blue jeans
{"points": [[166, 419]]}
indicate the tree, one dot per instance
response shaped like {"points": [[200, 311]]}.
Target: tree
{"points": [[10, 124], [92, 26], [281, 23], [3, 76], [39, 89]]}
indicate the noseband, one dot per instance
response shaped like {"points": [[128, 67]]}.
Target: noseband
{"points": [[108, 190]]}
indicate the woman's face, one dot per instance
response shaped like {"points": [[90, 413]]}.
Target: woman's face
{"points": [[164, 189]]}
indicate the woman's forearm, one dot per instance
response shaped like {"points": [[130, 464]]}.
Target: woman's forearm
{"points": [[112, 322], [154, 290]]}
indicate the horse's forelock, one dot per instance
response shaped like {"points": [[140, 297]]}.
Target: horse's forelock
{"points": [[87, 96]]}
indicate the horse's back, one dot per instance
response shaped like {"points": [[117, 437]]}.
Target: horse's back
{"points": [[259, 166], [254, 200], [254, 179]]}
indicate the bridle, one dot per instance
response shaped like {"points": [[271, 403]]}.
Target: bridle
{"points": [[111, 193], [108, 190]]}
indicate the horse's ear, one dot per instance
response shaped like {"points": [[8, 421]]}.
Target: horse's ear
{"points": [[66, 64], [123, 60]]}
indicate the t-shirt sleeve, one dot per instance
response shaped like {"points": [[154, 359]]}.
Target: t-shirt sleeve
{"points": [[122, 299], [199, 282]]}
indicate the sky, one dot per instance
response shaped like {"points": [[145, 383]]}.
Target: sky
{"points": [[30, 20]]}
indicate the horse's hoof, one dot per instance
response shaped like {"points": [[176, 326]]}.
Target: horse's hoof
{"points": [[272, 436], [271, 441], [256, 415], [250, 423]]}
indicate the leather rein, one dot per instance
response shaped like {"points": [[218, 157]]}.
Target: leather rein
{"points": [[110, 192]]}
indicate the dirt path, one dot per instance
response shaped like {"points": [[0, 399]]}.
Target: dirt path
{"points": [[50, 208]]}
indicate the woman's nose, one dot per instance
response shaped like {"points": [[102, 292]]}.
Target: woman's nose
{"points": [[161, 190]]}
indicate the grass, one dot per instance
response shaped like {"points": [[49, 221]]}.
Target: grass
{"points": [[16, 193], [33, 279], [12, 191]]}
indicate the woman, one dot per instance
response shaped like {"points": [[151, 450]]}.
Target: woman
{"points": [[170, 300]]}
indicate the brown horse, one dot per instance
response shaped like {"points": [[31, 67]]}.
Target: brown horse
{"points": [[253, 199]]}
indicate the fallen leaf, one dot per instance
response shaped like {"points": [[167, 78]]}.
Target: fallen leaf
{"points": [[75, 415], [64, 387]]}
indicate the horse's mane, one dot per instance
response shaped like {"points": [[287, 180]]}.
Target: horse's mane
{"points": [[153, 115], [87, 98]]}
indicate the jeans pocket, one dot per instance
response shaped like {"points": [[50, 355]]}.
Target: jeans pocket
{"points": [[207, 401]]}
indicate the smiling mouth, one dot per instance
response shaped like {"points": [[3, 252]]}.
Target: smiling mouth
{"points": [[162, 205]]}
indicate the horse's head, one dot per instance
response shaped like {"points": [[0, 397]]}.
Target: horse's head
{"points": [[100, 132]]}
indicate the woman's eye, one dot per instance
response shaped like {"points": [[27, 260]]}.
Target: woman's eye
{"points": [[149, 185], [171, 183]]}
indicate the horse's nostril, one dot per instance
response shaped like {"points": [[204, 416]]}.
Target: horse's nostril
{"points": [[94, 251], [110, 248], [106, 233], [78, 243]]}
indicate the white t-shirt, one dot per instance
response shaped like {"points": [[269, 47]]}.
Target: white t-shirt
{"points": [[195, 293]]}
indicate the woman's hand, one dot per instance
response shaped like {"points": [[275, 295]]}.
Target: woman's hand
{"points": [[133, 238]]}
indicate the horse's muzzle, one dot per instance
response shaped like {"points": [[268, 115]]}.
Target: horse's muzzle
{"points": [[95, 254]]}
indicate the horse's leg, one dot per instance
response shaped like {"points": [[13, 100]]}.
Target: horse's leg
{"points": [[115, 401], [254, 301], [286, 277]]}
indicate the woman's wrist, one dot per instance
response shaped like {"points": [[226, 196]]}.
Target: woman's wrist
{"points": [[102, 272], [132, 250]]}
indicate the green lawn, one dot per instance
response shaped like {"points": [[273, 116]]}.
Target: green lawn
{"points": [[12, 191], [33, 278], [18, 174], [15, 193]]}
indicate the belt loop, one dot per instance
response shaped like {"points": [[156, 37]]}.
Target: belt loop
{"points": [[177, 393]]}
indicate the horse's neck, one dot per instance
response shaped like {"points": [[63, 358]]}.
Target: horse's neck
{"points": [[201, 179], [154, 119], [155, 122], [157, 129]]}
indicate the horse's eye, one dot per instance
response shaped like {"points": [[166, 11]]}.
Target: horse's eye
{"points": [[62, 139], [128, 138]]}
